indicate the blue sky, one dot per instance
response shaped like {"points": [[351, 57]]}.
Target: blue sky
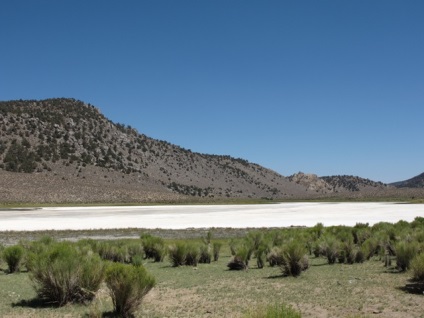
{"points": [[325, 87]]}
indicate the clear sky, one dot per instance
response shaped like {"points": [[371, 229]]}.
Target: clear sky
{"points": [[325, 87]]}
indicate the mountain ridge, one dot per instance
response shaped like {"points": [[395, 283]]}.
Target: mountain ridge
{"points": [[65, 150]]}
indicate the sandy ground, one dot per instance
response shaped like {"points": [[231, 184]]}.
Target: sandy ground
{"points": [[181, 217]]}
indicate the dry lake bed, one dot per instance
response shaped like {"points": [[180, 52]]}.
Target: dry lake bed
{"points": [[206, 216]]}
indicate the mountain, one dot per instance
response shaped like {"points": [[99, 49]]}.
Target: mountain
{"points": [[64, 150], [415, 182]]}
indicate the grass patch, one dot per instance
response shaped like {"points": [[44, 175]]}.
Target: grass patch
{"points": [[212, 290]]}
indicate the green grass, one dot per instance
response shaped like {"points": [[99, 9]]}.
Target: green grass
{"points": [[210, 290]]}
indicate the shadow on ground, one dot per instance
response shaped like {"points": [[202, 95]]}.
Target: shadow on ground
{"points": [[413, 288], [34, 303]]}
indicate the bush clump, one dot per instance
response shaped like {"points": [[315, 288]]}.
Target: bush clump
{"points": [[177, 254], [405, 252], [154, 247], [216, 248], [63, 274], [295, 259], [13, 256], [417, 268], [128, 285]]}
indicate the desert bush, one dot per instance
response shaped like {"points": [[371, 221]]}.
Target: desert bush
{"points": [[317, 248], [405, 252], [237, 263], [359, 256], [331, 247], [216, 248], [260, 254], [370, 247], [295, 259], [417, 267], [241, 259], [205, 254], [192, 254], [114, 251], [134, 250], [137, 260], [13, 256], [128, 285], [350, 251], [154, 247], [317, 230], [207, 239], [62, 274], [177, 254], [273, 311], [275, 256]]}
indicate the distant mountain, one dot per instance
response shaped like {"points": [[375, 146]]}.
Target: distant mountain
{"points": [[351, 183], [64, 150], [415, 182]]}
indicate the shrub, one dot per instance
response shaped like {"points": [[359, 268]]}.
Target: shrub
{"points": [[237, 263], [63, 274], [275, 256], [417, 267], [295, 259], [216, 249], [331, 247], [350, 251], [13, 256], [177, 254], [128, 285], [260, 256], [205, 254], [241, 259], [192, 254], [405, 252], [273, 311], [113, 251], [370, 247], [154, 247]]}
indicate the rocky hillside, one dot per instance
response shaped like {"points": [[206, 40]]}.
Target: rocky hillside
{"points": [[415, 182], [351, 183], [64, 150], [87, 157]]}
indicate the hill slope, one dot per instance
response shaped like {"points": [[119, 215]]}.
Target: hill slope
{"points": [[415, 182], [64, 150], [71, 145]]}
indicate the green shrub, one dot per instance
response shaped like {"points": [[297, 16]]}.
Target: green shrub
{"points": [[241, 259], [417, 267], [114, 251], [216, 247], [405, 252], [205, 254], [275, 256], [154, 247], [331, 248], [63, 274], [295, 259], [350, 251], [260, 256], [370, 247], [13, 256], [273, 311], [128, 285], [177, 254], [192, 254]]}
